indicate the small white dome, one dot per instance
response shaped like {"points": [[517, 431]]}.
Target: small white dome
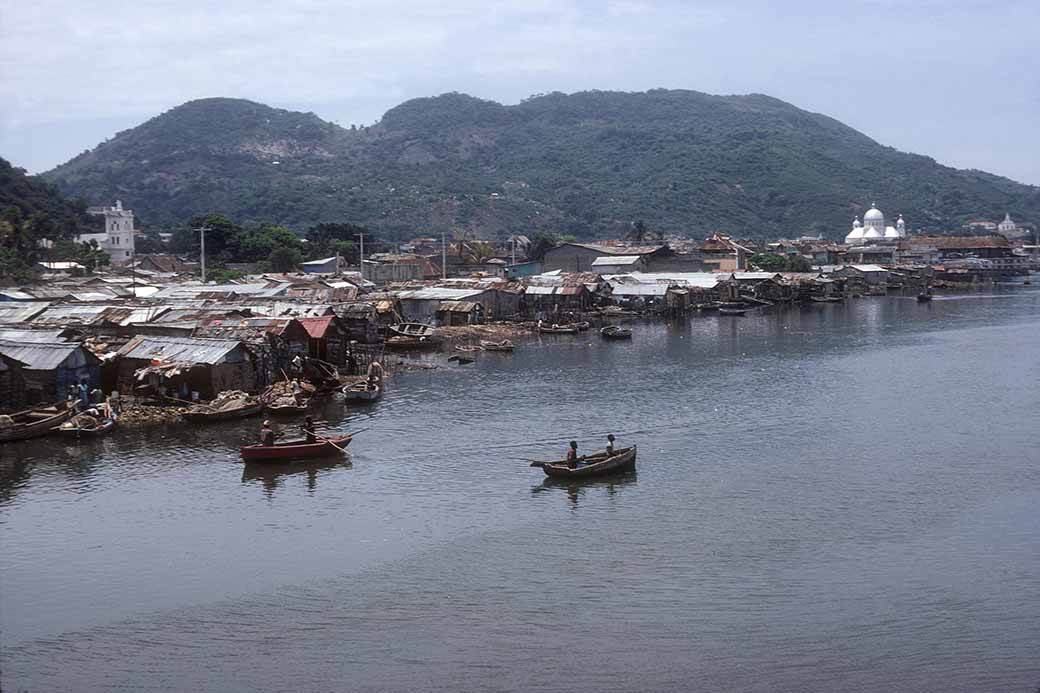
{"points": [[873, 214], [856, 224], [891, 232]]}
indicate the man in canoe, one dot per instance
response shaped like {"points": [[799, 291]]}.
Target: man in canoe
{"points": [[572, 455], [375, 374], [308, 430], [267, 434], [297, 390], [610, 444]]}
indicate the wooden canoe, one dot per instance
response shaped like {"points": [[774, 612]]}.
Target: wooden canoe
{"points": [[558, 329], [361, 391], [201, 415], [33, 423], [70, 430], [615, 332], [286, 409], [504, 345], [413, 329], [623, 460], [294, 450], [732, 311]]}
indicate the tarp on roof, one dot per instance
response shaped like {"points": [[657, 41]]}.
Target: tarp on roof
{"points": [[180, 349]]}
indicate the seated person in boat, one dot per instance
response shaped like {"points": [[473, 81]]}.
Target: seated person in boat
{"points": [[610, 444], [572, 455], [375, 374], [297, 390], [308, 430], [267, 434]]}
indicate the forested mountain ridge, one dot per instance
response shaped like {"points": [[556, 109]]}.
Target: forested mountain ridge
{"points": [[587, 164]]}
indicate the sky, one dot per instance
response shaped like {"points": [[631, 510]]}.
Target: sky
{"points": [[957, 80]]}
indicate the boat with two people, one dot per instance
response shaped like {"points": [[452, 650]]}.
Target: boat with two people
{"points": [[603, 463], [295, 449]]}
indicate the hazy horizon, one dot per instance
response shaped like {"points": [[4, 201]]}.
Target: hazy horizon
{"points": [[956, 81]]}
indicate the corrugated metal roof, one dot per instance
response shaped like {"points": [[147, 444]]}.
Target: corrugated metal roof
{"points": [[16, 295], [184, 349], [251, 290], [45, 357], [21, 312], [540, 290], [31, 336], [81, 314], [439, 294], [317, 327], [612, 260], [638, 289]]}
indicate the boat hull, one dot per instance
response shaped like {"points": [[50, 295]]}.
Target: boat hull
{"points": [[101, 430], [362, 395], [34, 423], [283, 452], [622, 462]]}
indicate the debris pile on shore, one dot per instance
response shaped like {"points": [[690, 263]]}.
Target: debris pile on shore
{"points": [[140, 414], [501, 330]]}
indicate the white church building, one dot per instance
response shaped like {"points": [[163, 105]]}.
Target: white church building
{"points": [[118, 238], [873, 228]]}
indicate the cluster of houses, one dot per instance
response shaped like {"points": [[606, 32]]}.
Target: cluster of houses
{"points": [[151, 325]]}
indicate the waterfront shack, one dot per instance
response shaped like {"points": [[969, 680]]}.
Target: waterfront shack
{"points": [[181, 366], [327, 338], [47, 369]]}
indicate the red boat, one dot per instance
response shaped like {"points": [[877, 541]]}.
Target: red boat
{"points": [[295, 450]]}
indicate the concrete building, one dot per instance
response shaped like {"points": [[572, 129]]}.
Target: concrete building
{"points": [[118, 238]]}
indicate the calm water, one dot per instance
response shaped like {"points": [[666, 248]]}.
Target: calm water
{"points": [[835, 497]]}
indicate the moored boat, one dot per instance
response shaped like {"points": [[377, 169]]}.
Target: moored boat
{"points": [[286, 409], [558, 329], [504, 345], [82, 429], [421, 342], [413, 329], [615, 332], [363, 392], [32, 423], [295, 450], [601, 464], [924, 297], [732, 311]]}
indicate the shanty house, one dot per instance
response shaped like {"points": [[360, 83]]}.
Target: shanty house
{"points": [[460, 313], [326, 338], [48, 369], [180, 366], [12, 384]]}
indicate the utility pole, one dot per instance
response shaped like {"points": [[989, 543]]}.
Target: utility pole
{"points": [[444, 259], [514, 249], [361, 236], [202, 249]]}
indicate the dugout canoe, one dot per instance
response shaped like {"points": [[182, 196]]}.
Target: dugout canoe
{"points": [[623, 460], [295, 450], [33, 423]]}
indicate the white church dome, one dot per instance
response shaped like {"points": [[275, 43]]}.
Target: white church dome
{"points": [[873, 214]]}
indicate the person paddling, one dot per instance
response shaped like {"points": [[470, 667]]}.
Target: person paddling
{"points": [[267, 434], [572, 455], [610, 445], [308, 430]]}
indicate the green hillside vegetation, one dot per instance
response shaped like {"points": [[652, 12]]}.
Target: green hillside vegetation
{"points": [[32, 210], [586, 164]]}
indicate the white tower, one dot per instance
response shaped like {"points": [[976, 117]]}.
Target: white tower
{"points": [[1006, 226], [119, 229]]}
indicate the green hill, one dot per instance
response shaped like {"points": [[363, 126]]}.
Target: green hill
{"points": [[588, 164], [31, 202]]}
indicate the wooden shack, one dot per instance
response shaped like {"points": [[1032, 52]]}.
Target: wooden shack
{"points": [[48, 369], [180, 366]]}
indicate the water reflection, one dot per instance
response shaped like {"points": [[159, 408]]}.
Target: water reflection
{"points": [[271, 475], [576, 490]]}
